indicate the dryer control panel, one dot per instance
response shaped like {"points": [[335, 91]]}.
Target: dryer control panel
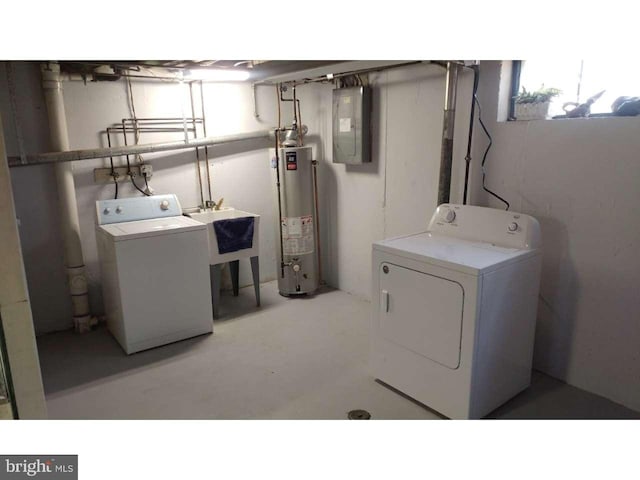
{"points": [[498, 227], [137, 208]]}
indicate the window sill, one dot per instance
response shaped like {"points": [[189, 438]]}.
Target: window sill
{"points": [[596, 116]]}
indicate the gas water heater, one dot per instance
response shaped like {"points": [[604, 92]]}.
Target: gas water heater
{"points": [[296, 240]]}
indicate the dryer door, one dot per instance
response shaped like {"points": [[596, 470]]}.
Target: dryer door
{"points": [[422, 313]]}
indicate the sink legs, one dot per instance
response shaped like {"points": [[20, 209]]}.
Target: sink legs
{"points": [[234, 267], [255, 272], [215, 272]]}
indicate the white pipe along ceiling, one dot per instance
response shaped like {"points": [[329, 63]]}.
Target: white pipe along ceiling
{"points": [[52, 86]]}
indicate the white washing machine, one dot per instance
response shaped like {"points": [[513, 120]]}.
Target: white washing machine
{"points": [[454, 309], [155, 271]]}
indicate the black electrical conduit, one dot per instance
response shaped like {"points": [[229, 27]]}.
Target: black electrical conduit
{"points": [[484, 157], [467, 158], [474, 102]]}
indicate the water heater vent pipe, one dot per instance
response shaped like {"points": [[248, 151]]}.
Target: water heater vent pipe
{"points": [[446, 155]]}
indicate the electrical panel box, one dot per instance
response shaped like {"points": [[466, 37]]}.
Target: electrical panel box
{"points": [[351, 125]]}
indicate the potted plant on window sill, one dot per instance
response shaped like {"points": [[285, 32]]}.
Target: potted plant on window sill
{"points": [[534, 105]]}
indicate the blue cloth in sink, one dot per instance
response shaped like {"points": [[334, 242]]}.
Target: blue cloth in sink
{"points": [[234, 234]]}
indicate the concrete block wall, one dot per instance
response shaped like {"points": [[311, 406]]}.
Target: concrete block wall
{"points": [[16, 323], [240, 173], [581, 179], [396, 193]]}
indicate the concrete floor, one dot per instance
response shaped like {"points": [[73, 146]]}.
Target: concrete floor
{"points": [[291, 359], [5, 411]]}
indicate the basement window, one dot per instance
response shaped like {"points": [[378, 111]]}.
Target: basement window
{"points": [[578, 81]]}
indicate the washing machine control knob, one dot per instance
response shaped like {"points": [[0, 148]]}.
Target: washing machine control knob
{"points": [[448, 216], [164, 205], [118, 209], [513, 226], [106, 211]]}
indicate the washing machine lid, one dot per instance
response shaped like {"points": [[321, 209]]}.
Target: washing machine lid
{"points": [[457, 254], [149, 228]]}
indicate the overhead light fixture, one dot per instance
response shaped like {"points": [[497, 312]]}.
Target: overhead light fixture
{"points": [[216, 75]]}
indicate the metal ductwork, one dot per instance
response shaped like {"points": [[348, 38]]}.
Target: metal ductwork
{"points": [[446, 155]]}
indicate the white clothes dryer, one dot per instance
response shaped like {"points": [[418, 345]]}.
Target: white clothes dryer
{"points": [[454, 309]]}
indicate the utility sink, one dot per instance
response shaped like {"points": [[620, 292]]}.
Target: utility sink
{"points": [[211, 216], [217, 260]]}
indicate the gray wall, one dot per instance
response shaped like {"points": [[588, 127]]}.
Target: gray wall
{"points": [[581, 179], [396, 193], [240, 174], [35, 195], [393, 195]]}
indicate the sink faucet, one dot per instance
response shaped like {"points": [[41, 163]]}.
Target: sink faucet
{"points": [[210, 204]]}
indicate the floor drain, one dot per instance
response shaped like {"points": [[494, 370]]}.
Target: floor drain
{"points": [[359, 415]]}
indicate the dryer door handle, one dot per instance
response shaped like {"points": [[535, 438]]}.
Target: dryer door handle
{"points": [[385, 301]]}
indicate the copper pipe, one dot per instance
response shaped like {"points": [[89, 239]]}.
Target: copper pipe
{"points": [[195, 136], [206, 148], [315, 197], [277, 136]]}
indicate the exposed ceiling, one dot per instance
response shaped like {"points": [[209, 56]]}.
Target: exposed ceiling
{"points": [[260, 69]]}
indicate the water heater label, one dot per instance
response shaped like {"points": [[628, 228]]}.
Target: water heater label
{"points": [[297, 235], [292, 160]]}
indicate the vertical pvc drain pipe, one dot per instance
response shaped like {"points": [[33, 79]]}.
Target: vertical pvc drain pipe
{"points": [[446, 158], [52, 86]]}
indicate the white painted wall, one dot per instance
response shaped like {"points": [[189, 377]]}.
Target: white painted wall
{"points": [[16, 324], [581, 179], [396, 193], [393, 195], [240, 173], [578, 177], [35, 196]]}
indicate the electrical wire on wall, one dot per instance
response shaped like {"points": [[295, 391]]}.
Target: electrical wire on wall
{"points": [[475, 101], [467, 158], [484, 157]]}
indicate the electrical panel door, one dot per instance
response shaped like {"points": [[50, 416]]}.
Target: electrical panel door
{"points": [[351, 125]]}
